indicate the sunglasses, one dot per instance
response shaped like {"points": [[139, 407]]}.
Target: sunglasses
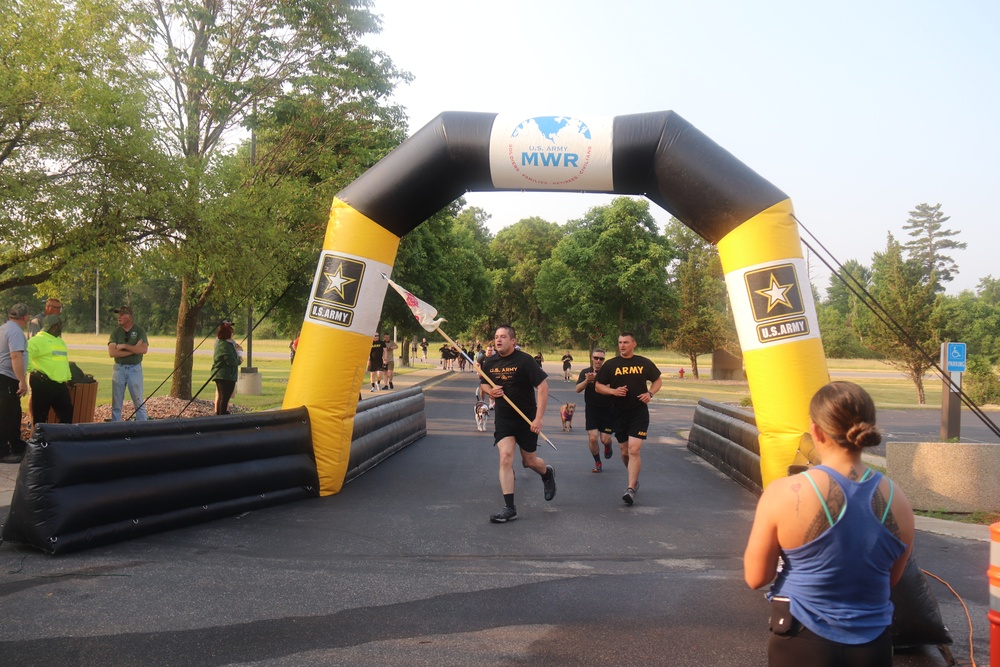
{"points": [[598, 358]]}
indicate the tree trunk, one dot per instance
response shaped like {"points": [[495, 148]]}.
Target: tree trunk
{"points": [[694, 365], [187, 319], [921, 397]]}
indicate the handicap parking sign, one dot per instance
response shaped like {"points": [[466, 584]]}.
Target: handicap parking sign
{"points": [[955, 358]]}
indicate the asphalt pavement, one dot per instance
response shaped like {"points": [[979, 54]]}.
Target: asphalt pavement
{"points": [[403, 568]]}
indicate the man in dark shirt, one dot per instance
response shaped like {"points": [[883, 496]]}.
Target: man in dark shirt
{"points": [[516, 376], [598, 409], [624, 379], [375, 361]]}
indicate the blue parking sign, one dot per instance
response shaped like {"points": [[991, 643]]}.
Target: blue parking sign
{"points": [[955, 358]]}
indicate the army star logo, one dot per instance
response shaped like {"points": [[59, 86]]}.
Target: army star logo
{"points": [[335, 282], [776, 294]]}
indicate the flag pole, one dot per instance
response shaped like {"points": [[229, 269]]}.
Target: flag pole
{"points": [[491, 383]]}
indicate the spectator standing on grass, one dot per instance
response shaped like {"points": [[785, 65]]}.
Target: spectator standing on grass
{"points": [[126, 346], [225, 367], [49, 374], [13, 382], [52, 307]]}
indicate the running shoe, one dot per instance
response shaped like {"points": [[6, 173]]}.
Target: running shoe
{"points": [[374, 388], [504, 515], [549, 484], [390, 385], [597, 467], [629, 496], [607, 451]]}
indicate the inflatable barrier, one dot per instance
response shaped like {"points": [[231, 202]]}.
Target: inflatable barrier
{"points": [[81, 486], [383, 426], [726, 437]]}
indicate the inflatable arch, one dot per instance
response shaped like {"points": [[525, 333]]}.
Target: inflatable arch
{"points": [[658, 155]]}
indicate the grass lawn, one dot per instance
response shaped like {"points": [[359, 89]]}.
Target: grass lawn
{"points": [[888, 392], [879, 378]]}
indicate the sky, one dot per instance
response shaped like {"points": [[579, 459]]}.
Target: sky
{"points": [[859, 111]]}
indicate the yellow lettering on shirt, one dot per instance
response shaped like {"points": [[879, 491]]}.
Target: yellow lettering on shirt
{"points": [[628, 370]]}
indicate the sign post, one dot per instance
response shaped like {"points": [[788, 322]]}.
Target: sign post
{"points": [[953, 364]]}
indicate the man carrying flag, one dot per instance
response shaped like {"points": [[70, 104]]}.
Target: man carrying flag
{"points": [[516, 375]]}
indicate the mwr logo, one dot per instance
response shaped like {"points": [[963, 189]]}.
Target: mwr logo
{"points": [[774, 293], [551, 150], [336, 291]]}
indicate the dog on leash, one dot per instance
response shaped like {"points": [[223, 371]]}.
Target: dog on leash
{"points": [[566, 414], [482, 413]]}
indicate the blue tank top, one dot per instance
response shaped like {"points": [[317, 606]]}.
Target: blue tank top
{"points": [[838, 584]]}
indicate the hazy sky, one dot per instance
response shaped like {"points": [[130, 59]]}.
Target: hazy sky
{"points": [[858, 111]]}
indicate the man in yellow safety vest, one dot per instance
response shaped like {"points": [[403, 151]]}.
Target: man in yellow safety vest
{"points": [[49, 373]]}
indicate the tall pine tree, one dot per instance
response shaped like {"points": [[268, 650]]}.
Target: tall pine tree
{"points": [[929, 241]]}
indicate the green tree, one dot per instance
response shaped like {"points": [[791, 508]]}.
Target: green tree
{"points": [[981, 382], [905, 293], [439, 262], [516, 255], [213, 61], [77, 176], [837, 314], [609, 273], [974, 320], [929, 241], [701, 322]]}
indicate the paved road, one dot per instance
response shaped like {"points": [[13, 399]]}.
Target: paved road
{"points": [[403, 568]]}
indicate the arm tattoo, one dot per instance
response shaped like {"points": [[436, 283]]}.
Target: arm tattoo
{"points": [[820, 524]]}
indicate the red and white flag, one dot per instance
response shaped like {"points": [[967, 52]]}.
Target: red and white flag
{"points": [[423, 311]]}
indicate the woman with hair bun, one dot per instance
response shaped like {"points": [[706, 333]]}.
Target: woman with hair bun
{"points": [[843, 533], [225, 367]]}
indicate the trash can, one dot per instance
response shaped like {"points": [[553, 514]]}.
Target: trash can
{"points": [[83, 393]]}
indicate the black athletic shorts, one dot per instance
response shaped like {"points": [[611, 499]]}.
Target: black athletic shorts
{"points": [[599, 420], [631, 423], [504, 427]]}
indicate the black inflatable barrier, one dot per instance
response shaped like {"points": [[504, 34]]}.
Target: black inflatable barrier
{"points": [[726, 437], [81, 486], [384, 425]]}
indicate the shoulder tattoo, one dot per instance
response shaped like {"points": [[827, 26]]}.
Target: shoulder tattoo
{"points": [[878, 506], [820, 524]]}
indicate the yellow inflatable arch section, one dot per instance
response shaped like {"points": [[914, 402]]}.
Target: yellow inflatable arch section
{"points": [[658, 155]]}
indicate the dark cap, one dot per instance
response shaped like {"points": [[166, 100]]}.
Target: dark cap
{"points": [[124, 310], [17, 311], [50, 321]]}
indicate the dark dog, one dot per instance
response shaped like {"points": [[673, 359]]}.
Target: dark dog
{"points": [[566, 414]]}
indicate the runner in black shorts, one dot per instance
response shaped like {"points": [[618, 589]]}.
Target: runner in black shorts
{"points": [[375, 358], [598, 409], [624, 379], [516, 376]]}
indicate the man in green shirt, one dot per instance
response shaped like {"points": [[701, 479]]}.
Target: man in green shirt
{"points": [[48, 373], [127, 345]]}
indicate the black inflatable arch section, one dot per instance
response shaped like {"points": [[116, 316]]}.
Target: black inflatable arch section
{"points": [[658, 155]]}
